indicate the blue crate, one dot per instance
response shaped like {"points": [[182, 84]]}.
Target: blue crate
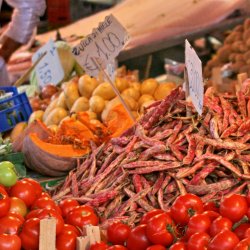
{"points": [[14, 109]]}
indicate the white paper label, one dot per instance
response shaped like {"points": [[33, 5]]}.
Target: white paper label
{"points": [[49, 69], [195, 80], [105, 43]]}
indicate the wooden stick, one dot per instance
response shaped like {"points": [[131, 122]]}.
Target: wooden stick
{"points": [[82, 243], [47, 237], [241, 78], [22, 79], [148, 66], [114, 88]]}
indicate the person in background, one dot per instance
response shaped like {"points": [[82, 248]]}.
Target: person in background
{"points": [[25, 18]]}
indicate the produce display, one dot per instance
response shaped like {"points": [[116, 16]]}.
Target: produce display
{"points": [[235, 50], [171, 150]]}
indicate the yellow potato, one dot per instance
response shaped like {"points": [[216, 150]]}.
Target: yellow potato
{"points": [[105, 91], [81, 104], [55, 116], [86, 85], [164, 90], [121, 83], [149, 86], [36, 115], [132, 104], [145, 104], [49, 109], [135, 85], [61, 101], [108, 107], [92, 115], [54, 128], [132, 92], [71, 93], [145, 98], [96, 104]]}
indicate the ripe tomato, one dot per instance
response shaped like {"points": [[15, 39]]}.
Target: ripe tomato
{"points": [[160, 229], [211, 206], [199, 223], [198, 241], [220, 224], [10, 242], [225, 240], [18, 206], [156, 247], [99, 246], [66, 240], [38, 188], [241, 230], [33, 214], [10, 225], [19, 216], [117, 233], [44, 194], [247, 234], [248, 198], [67, 227], [184, 207], [67, 205], [3, 190], [234, 207], [137, 239], [147, 216], [81, 216], [178, 246], [117, 247], [30, 234], [243, 245], [211, 214], [4, 203], [25, 191]]}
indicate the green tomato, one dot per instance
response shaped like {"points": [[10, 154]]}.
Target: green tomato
{"points": [[8, 175]]}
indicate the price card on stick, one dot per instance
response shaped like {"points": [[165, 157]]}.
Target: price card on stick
{"points": [[194, 75], [105, 43], [49, 69]]}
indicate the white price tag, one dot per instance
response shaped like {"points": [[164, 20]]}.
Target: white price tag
{"points": [[105, 43], [49, 69], [195, 80]]}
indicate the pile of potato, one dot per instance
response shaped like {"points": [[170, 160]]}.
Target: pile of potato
{"points": [[97, 98], [235, 50]]}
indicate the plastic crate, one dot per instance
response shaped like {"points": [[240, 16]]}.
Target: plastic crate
{"points": [[14, 109]]}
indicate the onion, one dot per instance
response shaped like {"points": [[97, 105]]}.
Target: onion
{"points": [[35, 103], [48, 91]]}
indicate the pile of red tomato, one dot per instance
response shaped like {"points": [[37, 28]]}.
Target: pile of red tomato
{"points": [[24, 204], [188, 225]]}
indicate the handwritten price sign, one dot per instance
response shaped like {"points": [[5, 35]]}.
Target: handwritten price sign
{"points": [[49, 69], [195, 80], [105, 43]]}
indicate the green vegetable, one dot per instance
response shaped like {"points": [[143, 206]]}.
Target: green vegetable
{"points": [[8, 175]]}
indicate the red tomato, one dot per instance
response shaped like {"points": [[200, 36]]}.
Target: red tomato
{"points": [[25, 191], [199, 223], [243, 244], [66, 240], [10, 225], [67, 227], [156, 247], [178, 246], [137, 239], [33, 214], [67, 205], [220, 224], [38, 188], [81, 216], [211, 214], [30, 234], [18, 206], [4, 203], [241, 230], [117, 247], [184, 207], [147, 216], [19, 216], [117, 233], [234, 207], [160, 229], [211, 206], [225, 240], [3, 190], [10, 242], [247, 233], [99, 246], [44, 194], [248, 198], [50, 212], [198, 241]]}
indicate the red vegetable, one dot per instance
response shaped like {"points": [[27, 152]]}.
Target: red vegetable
{"points": [[117, 233]]}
